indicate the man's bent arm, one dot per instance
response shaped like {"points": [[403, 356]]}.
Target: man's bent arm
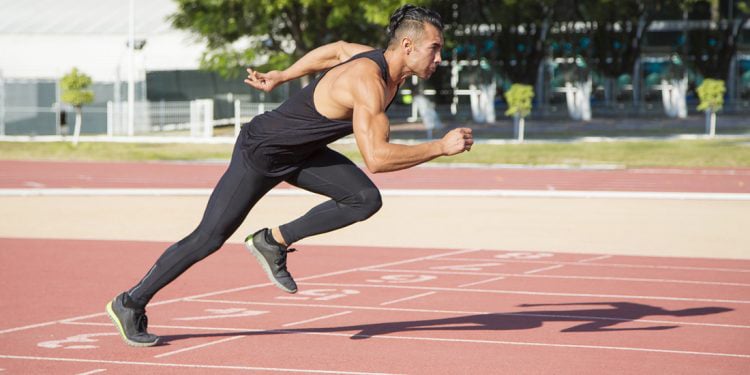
{"points": [[319, 59], [371, 134], [371, 131], [322, 58]]}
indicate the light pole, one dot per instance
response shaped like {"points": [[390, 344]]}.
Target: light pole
{"points": [[131, 69]]}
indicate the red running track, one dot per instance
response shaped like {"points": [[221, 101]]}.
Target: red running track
{"points": [[378, 310], [35, 174], [384, 310]]}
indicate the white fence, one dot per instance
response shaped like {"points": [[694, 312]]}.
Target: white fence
{"points": [[33, 107], [194, 118]]}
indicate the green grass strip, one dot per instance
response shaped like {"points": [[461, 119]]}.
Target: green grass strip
{"points": [[660, 153]]}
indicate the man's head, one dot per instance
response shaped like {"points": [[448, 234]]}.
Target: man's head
{"points": [[418, 33]]}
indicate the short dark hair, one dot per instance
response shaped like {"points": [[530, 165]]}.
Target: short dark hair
{"points": [[412, 17]]}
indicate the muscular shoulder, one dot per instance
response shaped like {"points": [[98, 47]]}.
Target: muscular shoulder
{"points": [[359, 81], [362, 69], [346, 50]]}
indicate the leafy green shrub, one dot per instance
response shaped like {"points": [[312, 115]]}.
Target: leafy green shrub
{"points": [[519, 100], [711, 94]]}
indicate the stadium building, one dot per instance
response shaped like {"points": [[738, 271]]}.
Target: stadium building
{"points": [[42, 40]]}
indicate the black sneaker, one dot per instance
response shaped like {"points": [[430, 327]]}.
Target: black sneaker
{"points": [[272, 258], [131, 322]]}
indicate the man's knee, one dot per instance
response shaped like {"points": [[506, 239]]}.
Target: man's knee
{"points": [[369, 202]]}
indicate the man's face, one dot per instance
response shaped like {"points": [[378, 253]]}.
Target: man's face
{"points": [[424, 56]]}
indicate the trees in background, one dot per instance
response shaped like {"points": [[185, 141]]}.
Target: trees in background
{"points": [[75, 91], [711, 94], [241, 33], [519, 106], [517, 38]]}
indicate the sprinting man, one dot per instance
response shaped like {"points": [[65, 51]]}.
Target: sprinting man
{"points": [[289, 144]]}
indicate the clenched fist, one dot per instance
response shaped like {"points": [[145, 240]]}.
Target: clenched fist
{"points": [[457, 141]]}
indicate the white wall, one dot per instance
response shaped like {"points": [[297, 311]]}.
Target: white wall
{"points": [[47, 38], [51, 56]]}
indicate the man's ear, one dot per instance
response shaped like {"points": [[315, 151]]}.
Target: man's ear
{"points": [[407, 44]]}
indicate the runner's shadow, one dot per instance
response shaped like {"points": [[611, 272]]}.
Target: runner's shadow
{"points": [[585, 320]]}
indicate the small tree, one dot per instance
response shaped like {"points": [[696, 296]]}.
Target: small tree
{"points": [[711, 94], [519, 106], [75, 91]]}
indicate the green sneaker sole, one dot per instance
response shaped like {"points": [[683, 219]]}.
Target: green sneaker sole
{"points": [[116, 321], [262, 261]]}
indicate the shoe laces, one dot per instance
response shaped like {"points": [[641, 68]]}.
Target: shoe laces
{"points": [[281, 260], [141, 321]]}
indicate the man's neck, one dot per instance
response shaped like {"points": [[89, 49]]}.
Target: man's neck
{"points": [[397, 70]]}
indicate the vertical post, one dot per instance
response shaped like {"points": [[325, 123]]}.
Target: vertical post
{"points": [[194, 121], [162, 115], [455, 68], [117, 103], [414, 109], [77, 128], [237, 119], [2, 104], [131, 69], [636, 83], [732, 80], [110, 118], [416, 91], [208, 117], [518, 127], [541, 89], [58, 109], [262, 104], [709, 123]]}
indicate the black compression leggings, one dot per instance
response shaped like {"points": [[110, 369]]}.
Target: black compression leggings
{"points": [[353, 198]]}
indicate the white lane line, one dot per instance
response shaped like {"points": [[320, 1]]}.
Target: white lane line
{"points": [[530, 293], [329, 306], [316, 319], [184, 365], [503, 193], [407, 298], [621, 265], [243, 288], [482, 282], [595, 259], [472, 341], [29, 327], [50, 323], [429, 257], [573, 277], [431, 311], [197, 346], [556, 266], [93, 371]]}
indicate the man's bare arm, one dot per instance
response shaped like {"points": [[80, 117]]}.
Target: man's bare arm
{"points": [[319, 59], [371, 131]]}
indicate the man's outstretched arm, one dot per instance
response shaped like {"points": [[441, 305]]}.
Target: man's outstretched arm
{"points": [[314, 61]]}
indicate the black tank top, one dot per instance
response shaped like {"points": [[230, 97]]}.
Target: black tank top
{"points": [[278, 141]]}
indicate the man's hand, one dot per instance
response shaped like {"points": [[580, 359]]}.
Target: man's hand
{"points": [[457, 141], [264, 81]]}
